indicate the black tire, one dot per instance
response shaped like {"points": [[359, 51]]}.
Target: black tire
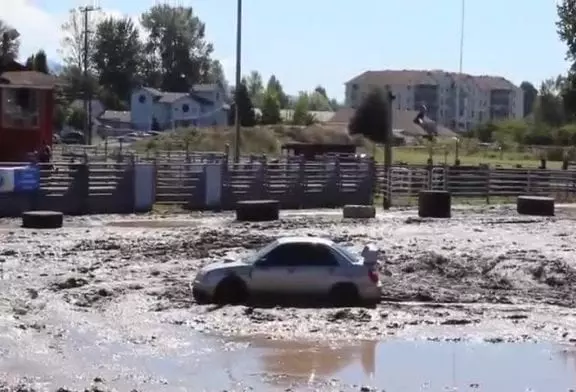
{"points": [[231, 291], [535, 205], [42, 219], [257, 210], [199, 297], [344, 294], [434, 204]]}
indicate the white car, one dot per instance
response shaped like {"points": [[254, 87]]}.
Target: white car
{"points": [[308, 267]]}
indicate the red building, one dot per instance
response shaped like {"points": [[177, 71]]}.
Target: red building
{"points": [[26, 111]]}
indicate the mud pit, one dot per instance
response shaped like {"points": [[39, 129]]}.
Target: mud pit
{"points": [[124, 287]]}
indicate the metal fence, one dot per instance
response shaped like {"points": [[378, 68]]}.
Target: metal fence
{"points": [[403, 183], [330, 182]]}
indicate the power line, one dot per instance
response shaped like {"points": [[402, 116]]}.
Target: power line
{"points": [[86, 10]]}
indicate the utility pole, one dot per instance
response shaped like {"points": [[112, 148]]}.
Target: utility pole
{"points": [[459, 79], [238, 80], [87, 93]]}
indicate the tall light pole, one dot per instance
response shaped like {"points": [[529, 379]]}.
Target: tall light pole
{"points": [[86, 10], [459, 78], [238, 81]]}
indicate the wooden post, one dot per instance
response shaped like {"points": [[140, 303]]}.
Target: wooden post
{"points": [[387, 199]]}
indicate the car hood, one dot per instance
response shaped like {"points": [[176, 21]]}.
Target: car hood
{"points": [[224, 265]]}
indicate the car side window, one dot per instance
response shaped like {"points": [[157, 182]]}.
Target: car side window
{"points": [[281, 256], [300, 255], [317, 255]]}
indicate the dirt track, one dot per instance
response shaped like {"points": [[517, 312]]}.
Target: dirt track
{"points": [[485, 274]]}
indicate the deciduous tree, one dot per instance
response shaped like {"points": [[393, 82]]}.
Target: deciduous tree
{"points": [[255, 87], [9, 42], [76, 118], [76, 83], [177, 52], [72, 46], [318, 102], [271, 109], [301, 115], [372, 118], [566, 26], [216, 73], [117, 56], [549, 108]]}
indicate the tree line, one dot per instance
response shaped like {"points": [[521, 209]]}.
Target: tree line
{"points": [[172, 55], [549, 111], [271, 100]]}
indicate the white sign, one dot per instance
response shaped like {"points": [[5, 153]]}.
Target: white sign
{"points": [[6, 179]]}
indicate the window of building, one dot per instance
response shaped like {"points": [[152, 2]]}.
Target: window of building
{"points": [[20, 108], [142, 98], [185, 108]]}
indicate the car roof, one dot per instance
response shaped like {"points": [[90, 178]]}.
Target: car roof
{"points": [[310, 240]]}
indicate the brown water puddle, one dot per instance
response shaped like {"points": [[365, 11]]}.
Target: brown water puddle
{"points": [[183, 360]]}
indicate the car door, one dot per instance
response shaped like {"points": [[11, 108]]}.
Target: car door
{"points": [[271, 274], [315, 269]]}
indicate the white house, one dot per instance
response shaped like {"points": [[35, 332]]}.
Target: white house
{"points": [[205, 105]]}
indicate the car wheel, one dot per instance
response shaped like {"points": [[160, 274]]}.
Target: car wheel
{"points": [[199, 297], [231, 291], [344, 294]]}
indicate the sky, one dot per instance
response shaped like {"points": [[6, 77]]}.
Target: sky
{"points": [[306, 43]]}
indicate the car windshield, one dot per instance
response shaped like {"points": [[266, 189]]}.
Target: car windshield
{"points": [[251, 258]]}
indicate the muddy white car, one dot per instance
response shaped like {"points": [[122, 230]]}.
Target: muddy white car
{"points": [[293, 267]]}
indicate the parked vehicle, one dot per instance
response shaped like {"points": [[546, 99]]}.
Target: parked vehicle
{"points": [[73, 137], [305, 267]]}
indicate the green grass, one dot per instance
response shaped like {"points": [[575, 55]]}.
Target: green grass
{"points": [[507, 159], [269, 139]]}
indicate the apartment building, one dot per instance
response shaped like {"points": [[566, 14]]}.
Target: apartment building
{"points": [[482, 98]]}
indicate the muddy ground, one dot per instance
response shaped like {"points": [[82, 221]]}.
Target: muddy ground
{"points": [[486, 274]]}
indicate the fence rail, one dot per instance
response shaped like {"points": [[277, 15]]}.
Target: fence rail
{"points": [[402, 184], [216, 183]]}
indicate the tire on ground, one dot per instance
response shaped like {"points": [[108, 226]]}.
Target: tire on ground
{"points": [[257, 210], [42, 219], [535, 205], [230, 291], [358, 212], [434, 204], [344, 294]]}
